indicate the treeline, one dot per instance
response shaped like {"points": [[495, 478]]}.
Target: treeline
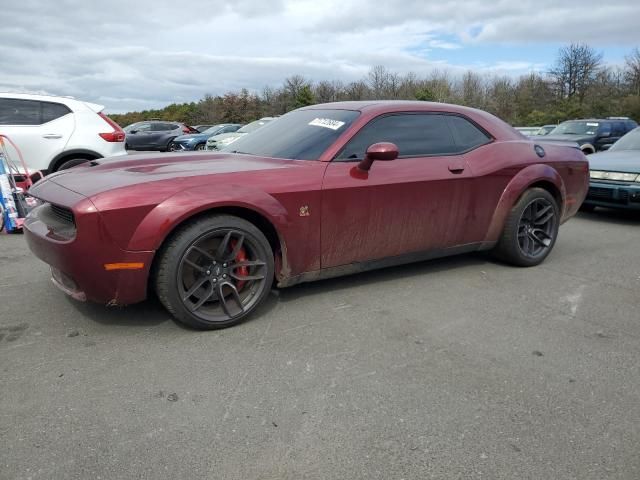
{"points": [[578, 85]]}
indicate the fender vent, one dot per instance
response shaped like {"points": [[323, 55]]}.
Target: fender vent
{"points": [[62, 213]]}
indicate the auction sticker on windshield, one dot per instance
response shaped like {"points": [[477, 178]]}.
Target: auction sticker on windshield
{"points": [[326, 123]]}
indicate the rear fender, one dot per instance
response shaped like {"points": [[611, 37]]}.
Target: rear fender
{"points": [[515, 188]]}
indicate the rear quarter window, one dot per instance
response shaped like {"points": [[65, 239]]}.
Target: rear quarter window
{"points": [[467, 135], [52, 111]]}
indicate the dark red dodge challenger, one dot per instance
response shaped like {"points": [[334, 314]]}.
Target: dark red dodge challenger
{"points": [[323, 191]]}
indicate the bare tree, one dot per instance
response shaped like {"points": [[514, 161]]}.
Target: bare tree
{"points": [[325, 91], [632, 71], [575, 70], [378, 80], [471, 90]]}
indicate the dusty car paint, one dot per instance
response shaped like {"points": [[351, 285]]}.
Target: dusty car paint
{"points": [[354, 220]]}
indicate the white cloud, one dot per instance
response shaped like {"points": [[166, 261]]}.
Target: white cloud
{"points": [[142, 54]]}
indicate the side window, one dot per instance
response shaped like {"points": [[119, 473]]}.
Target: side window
{"points": [[52, 111], [415, 134], [466, 134], [140, 127], [604, 128], [14, 111], [156, 127], [618, 129]]}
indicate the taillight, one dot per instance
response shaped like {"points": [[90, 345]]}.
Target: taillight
{"points": [[117, 135]]}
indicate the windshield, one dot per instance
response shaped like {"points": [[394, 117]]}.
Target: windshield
{"points": [[576, 128], [250, 127], [631, 141], [298, 135]]}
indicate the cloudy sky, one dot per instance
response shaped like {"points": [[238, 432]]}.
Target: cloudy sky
{"points": [[136, 54]]}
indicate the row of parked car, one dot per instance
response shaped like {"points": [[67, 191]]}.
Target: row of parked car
{"points": [[55, 133], [177, 137], [591, 134]]}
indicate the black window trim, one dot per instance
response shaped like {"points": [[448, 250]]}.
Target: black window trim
{"points": [[490, 138]]}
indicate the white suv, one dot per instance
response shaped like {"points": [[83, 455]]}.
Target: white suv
{"points": [[55, 133]]}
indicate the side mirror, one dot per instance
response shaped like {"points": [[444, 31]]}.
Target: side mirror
{"points": [[383, 151], [134, 131]]}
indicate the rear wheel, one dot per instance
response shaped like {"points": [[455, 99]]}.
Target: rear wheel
{"points": [[531, 229], [214, 272], [169, 147]]}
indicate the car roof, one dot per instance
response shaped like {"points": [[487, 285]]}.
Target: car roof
{"points": [[371, 108], [70, 101]]}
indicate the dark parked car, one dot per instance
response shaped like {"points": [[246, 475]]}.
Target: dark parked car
{"points": [[154, 135], [592, 135], [545, 130], [325, 190], [197, 141], [615, 175]]}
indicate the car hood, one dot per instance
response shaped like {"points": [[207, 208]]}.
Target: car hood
{"points": [[568, 137], [616, 161], [194, 136], [164, 175], [223, 136]]}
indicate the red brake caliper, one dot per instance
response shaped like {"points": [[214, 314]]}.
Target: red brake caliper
{"points": [[241, 257]]}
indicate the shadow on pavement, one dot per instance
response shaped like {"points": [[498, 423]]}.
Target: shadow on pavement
{"points": [[379, 277], [610, 215], [146, 314]]}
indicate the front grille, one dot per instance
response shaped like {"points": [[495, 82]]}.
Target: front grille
{"points": [[62, 213], [608, 194]]}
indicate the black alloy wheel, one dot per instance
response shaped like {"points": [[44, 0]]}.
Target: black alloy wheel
{"points": [[536, 228], [530, 230], [215, 272]]}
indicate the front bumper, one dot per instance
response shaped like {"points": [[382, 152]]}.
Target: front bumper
{"points": [[78, 253], [183, 146], [613, 195]]}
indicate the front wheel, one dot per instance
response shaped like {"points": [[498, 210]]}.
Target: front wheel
{"points": [[531, 229], [200, 146], [214, 272]]}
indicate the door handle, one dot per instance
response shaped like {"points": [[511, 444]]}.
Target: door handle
{"points": [[456, 168], [52, 136]]}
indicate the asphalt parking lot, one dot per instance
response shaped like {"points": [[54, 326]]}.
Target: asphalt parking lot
{"points": [[457, 368]]}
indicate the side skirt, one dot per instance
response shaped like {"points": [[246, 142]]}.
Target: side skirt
{"points": [[358, 267]]}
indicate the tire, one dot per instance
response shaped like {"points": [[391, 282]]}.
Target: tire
{"points": [[167, 147], [214, 257], [71, 163], [199, 146], [526, 241]]}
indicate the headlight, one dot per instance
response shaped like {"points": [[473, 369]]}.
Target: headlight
{"points": [[227, 141], [618, 176]]}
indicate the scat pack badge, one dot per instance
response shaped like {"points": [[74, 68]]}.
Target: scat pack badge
{"points": [[304, 211]]}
